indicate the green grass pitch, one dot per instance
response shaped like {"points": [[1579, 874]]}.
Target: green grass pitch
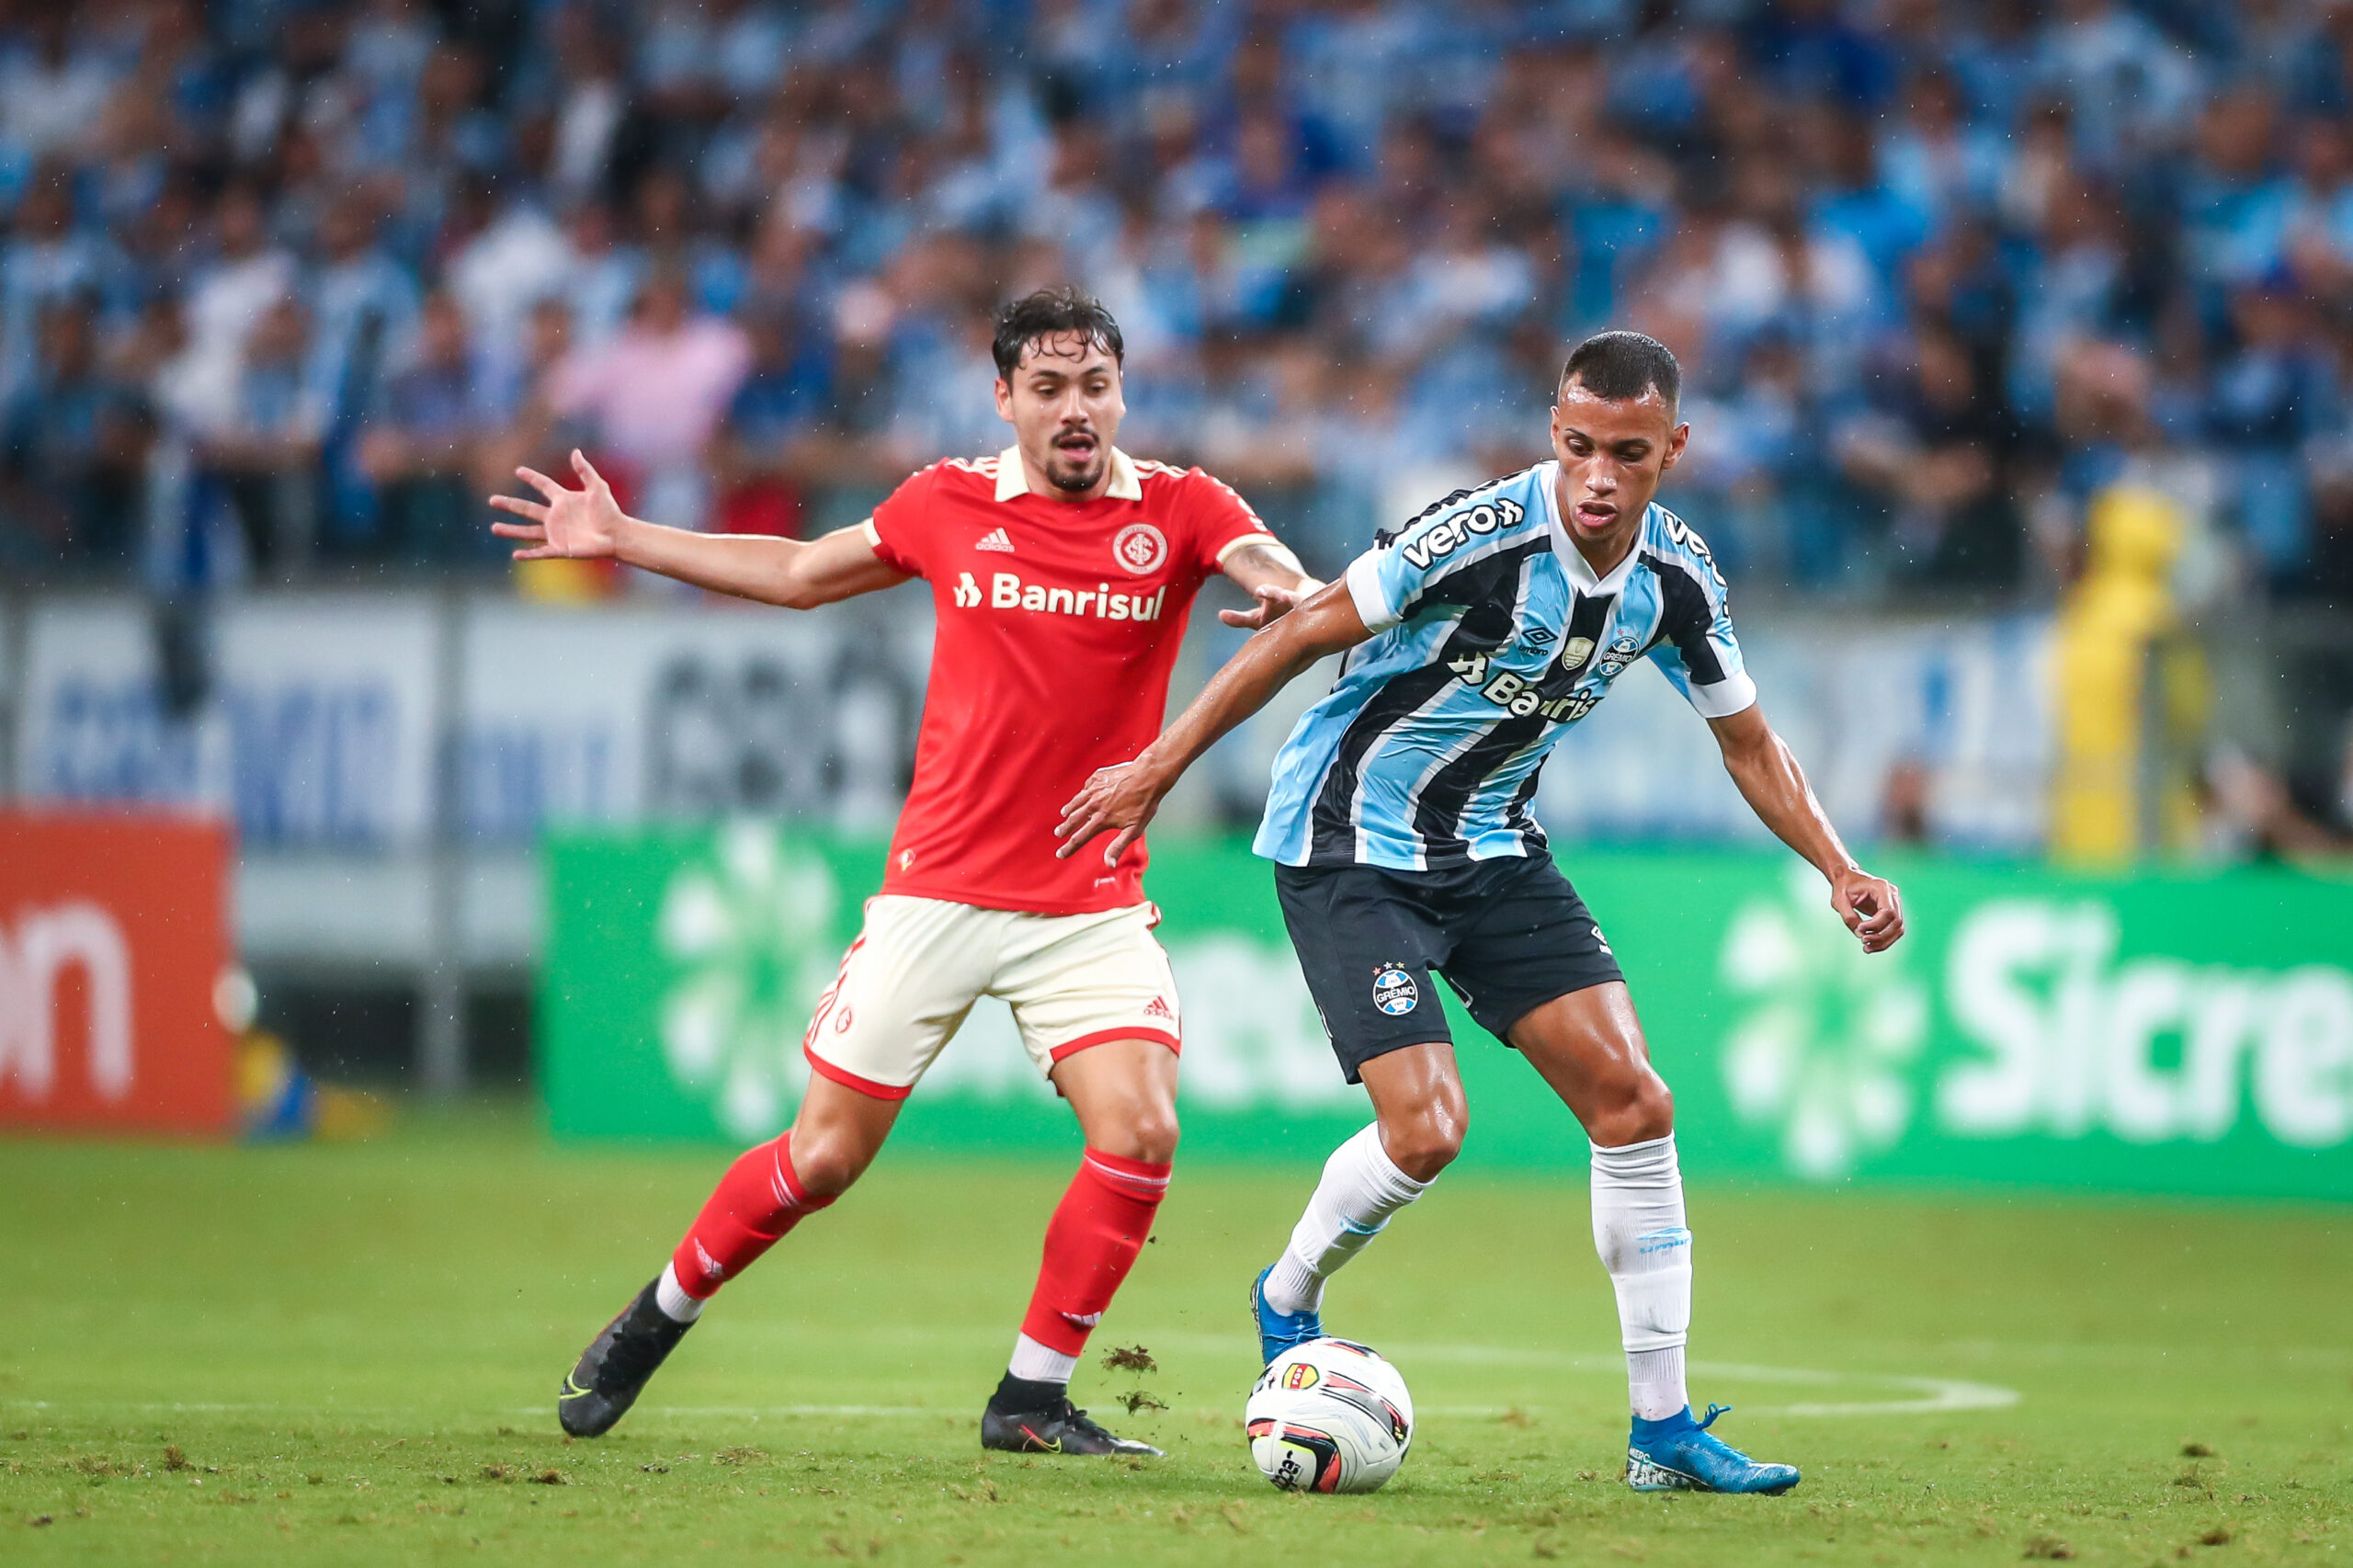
{"points": [[349, 1355]]}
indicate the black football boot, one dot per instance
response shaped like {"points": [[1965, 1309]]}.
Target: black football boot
{"points": [[614, 1368], [1053, 1426]]}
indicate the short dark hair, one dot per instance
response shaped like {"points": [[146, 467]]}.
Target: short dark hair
{"points": [[1624, 365], [1047, 314]]}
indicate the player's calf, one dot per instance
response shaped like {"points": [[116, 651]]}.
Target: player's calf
{"points": [[1362, 1185], [760, 1198], [1092, 1242]]}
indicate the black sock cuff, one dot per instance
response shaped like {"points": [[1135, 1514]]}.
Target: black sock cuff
{"points": [[1017, 1394]]}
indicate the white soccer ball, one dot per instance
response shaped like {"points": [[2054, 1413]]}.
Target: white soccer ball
{"points": [[1329, 1416]]}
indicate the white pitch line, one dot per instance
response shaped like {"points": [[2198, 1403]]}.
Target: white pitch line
{"points": [[1923, 1395]]}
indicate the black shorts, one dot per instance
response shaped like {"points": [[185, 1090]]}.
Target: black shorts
{"points": [[1507, 935]]}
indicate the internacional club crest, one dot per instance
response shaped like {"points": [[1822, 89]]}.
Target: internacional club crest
{"points": [[1139, 548], [1394, 991]]}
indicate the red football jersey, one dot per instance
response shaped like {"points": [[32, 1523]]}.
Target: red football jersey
{"points": [[1058, 626]]}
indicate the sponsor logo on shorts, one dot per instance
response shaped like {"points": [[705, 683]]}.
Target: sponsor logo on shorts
{"points": [[841, 1020], [1157, 1008], [1139, 548], [1394, 991]]}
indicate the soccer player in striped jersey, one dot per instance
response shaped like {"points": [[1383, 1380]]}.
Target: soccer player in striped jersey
{"points": [[1403, 843]]}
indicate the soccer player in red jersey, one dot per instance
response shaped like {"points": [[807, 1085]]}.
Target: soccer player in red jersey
{"points": [[1062, 571]]}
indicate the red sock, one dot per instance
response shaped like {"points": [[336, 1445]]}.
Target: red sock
{"points": [[758, 1199], [1090, 1245]]}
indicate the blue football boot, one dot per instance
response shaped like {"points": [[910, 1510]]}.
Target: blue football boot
{"points": [[1278, 1332], [1679, 1454]]}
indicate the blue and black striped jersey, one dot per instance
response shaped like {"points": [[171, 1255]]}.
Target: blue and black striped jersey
{"points": [[1492, 636]]}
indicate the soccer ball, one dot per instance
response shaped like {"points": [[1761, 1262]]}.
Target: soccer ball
{"points": [[1329, 1416]]}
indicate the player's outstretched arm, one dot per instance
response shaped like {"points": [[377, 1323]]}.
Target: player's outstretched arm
{"points": [[1270, 573], [1120, 801], [587, 524], [1761, 763]]}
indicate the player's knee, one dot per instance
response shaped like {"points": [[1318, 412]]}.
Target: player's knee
{"points": [[827, 1163], [1425, 1142], [1148, 1132], [1637, 1109]]}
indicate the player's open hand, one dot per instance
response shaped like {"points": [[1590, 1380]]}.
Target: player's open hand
{"points": [[1117, 801], [1870, 907], [1273, 603], [573, 525]]}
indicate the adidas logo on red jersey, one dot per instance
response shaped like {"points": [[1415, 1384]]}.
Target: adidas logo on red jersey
{"points": [[995, 538]]}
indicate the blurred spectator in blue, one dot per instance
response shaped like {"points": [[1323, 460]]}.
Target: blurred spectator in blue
{"points": [[2235, 204], [364, 316], [1744, 468], [419, 446], [757, 459], [1936, 162], [262, 460], [2130, 88], [46, 260], [76, 442], [54, 84], [2270, 395], [1931, 451]]}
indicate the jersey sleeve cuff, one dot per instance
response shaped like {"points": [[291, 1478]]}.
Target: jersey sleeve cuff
{"points": [[1248, 536], [1734, 694], [1364, 587]]}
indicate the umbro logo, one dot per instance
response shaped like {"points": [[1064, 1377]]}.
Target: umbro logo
{"points": [[1537, 635], [996, 539]]}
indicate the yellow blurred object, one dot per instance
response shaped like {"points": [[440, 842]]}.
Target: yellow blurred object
{"points": [[564, 582], [282, 1103], [349, 1115], [2123, 609]]}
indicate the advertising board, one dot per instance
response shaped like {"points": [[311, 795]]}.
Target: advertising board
{"points": [[2188, 1034], [112, 933]]}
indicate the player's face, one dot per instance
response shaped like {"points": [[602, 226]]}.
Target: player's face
{"points": [[1613, 452], [1063, 403]]}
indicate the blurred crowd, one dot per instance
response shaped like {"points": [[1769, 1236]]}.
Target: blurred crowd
{"points": [[292, 283]]}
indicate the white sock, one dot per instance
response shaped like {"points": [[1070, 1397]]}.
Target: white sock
{"points": [[1036, 1363], [672, 1297], [1638, 1229], [1360, 1188]]}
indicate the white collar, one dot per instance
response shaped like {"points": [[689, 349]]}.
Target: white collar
{"points": [[1013, 477], [1572, 561]]}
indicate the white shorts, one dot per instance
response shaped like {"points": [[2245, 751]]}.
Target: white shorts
{"points": [[1072, 981]]}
